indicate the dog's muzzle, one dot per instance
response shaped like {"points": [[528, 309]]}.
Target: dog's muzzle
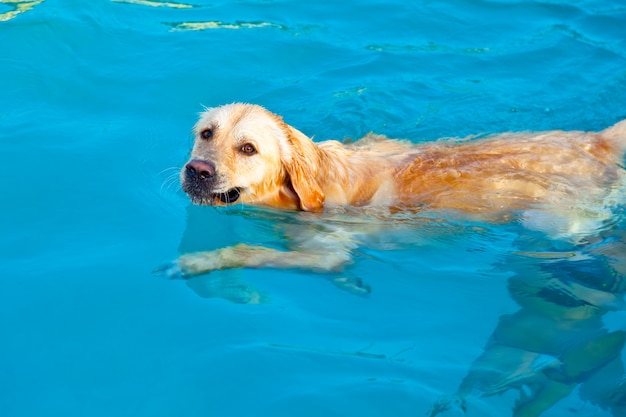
{"points": [[198, 180]]}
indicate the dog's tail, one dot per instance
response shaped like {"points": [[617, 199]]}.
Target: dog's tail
{"points": [[616, 134]]}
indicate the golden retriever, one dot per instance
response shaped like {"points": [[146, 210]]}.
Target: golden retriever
{"points": [[245, 154]]}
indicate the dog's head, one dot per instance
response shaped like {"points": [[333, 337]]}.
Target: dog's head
{"points": [[244, 154]]}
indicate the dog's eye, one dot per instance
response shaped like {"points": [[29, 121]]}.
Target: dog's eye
{"points": [[206, 134], [248, 149]]}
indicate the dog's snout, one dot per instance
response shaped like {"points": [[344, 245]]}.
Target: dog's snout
{"points": [[200, 169]]}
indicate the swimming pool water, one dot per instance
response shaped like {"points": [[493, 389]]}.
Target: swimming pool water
{"points": [[97, 100]]}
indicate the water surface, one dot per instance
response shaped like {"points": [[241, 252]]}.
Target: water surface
{"points": [[96, 106]]}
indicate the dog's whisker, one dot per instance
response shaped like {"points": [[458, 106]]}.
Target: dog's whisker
{"points": [[171, 181], [177, 169], [173, 185]]}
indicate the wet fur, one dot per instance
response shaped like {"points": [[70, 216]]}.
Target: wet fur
{"points": [[490, 176]]}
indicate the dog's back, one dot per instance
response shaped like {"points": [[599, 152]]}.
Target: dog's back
{"points": [[515, 170]]}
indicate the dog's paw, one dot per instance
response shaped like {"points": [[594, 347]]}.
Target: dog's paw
{"points": [[448, 405], [354, 285], [170, 270]]}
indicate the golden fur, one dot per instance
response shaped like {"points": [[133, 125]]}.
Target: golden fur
{"points": [[285, 169]]}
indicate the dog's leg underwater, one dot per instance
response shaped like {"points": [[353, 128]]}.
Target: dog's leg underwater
{"points": [[247, 256]]}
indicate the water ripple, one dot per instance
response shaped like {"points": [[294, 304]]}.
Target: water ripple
{"points": [[153, 3], [17, 7], [216, 24]]}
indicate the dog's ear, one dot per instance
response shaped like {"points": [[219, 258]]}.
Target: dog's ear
{"points": [[301, 159]]}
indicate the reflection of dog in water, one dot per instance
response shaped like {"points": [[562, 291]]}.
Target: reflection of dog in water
{"points": [[557, 341], [557, 182]]}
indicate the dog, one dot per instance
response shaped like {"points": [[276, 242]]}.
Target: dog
{"points": [[244, 154], [563, 184]]}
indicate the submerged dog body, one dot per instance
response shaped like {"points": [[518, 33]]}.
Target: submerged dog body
{"points": [[245, 154]]}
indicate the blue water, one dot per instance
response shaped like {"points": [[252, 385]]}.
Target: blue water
{"points": [[97, 99]]}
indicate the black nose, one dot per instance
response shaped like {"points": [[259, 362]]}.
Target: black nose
{"points": [[200, 169]]}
